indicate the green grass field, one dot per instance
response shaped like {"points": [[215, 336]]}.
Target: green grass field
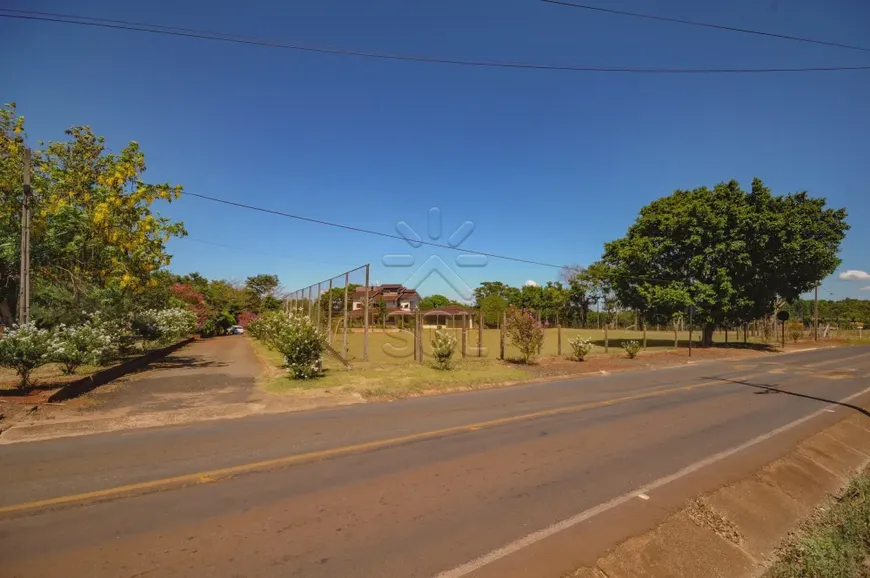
{"points": [[391, 371], [388, 380], [393, 347]]}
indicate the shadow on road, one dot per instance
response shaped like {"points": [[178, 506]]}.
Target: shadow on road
{"points": [[184, 362], [766, 389]]}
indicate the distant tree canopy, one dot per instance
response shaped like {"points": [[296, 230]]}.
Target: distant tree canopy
{"points": [[730, 253], [436, 301], [260, 293], [842, 312], [553, 300]]}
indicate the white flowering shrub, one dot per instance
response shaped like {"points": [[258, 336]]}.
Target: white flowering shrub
{"points": [[443, 346], [268, 327], [165, 325], [632, 348], [580, 347], [295, 337], [24, 349], [302, 345], [94, 342]]}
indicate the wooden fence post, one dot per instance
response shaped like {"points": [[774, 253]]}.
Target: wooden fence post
{"points": [[480, 335], [501, 336], [420, 338]]}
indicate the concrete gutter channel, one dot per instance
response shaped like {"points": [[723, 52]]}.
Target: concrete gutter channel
{"points": [[734, 531]]}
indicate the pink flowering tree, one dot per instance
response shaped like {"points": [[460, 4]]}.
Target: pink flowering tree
{"points": [[193, 300], [244, 319]]}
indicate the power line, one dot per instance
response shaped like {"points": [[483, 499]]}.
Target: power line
{"points": [[254, 41], [400, 238], [367, 231], [706, 25]]}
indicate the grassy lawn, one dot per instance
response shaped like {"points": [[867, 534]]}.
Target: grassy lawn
{"points": [[836, 544], [397, 347], [388, 379]]}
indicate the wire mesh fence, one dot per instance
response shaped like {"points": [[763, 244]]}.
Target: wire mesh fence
{"points": [[340, 309], [381, 323], [384, 324]]}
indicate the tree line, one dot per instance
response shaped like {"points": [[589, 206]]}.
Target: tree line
{"points": [[724, 255]]}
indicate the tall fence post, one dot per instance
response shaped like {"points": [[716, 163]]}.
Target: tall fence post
{"points": [[420, 338], [329, 314], [318, 306], [606, 339], [416, 329], [501, 336], [558, 337], [464, 335], [644, 335], [344, 338], [366, 322], [480, 335]]}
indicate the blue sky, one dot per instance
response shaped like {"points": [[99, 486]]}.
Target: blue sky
{"points": [[547, 165]]}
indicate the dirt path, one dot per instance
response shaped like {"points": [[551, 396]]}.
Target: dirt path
{"points": [[208, 372], [210, 378]]}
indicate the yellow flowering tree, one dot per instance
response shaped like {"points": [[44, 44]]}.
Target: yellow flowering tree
{"points": [[92, 223]]}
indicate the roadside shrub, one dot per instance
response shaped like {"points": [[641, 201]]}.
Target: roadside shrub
{"points": [[165, 325], [24, 349], [295, 337], [632, 348], [268, 327], [795, 330], [92, 342], [302, 345], [524, 332], [580, 347], [443, 347]]}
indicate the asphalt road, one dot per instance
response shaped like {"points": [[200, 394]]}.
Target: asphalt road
{"points": [[413, 488]]}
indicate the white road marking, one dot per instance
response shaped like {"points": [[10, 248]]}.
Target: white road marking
{"points": [[829, 410], [643, 496], [535, 537]]}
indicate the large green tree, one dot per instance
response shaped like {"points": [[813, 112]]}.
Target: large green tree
{"points": [[730, 253], [92, 223]]}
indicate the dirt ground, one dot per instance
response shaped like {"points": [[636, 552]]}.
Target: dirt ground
{"points": [[208, 378], [215, 371]]}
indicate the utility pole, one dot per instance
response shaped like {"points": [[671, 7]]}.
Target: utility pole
{"points": [[24, 288], [816, 314]]}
